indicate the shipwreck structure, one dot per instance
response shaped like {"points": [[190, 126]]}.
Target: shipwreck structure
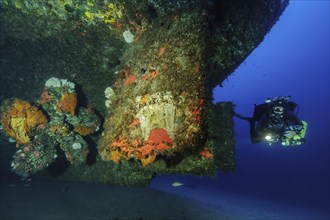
{"points": [[146, 67]]}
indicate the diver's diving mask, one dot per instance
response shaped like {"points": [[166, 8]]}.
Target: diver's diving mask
{"points": [[278, 110]]}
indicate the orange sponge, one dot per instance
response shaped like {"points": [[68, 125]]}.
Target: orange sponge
{"points": [[18, 118]]}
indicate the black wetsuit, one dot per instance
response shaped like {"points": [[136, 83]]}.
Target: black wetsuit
{"points": [[264, 120]]}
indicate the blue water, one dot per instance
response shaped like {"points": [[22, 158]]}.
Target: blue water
{"points": [[292, 60]]}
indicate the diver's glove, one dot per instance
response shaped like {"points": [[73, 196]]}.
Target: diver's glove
{"points": [[289, 134]]}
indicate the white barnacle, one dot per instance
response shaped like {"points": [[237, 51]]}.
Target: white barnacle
{"points": [[128, 36], [76, 146], [53, 82], [109, 92], [107, 103], [56, 82], [11, 140], [67, 83]]}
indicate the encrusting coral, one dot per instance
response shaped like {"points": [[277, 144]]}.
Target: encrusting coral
{"points": [[145, 151], [85, 122], [162, 60], [35, 155], [37, 130]]}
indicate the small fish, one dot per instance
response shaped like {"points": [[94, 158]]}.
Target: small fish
{"points": [[177, 184], [11, 185]]}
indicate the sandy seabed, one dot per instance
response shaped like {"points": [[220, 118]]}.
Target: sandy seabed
{"points": [[55, 200], [199, 199], [41, 199]]}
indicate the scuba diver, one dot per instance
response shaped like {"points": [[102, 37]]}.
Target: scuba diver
{"points": [[276, 120]]}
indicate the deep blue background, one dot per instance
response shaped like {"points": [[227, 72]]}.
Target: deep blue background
{"points": [[292, 60]]}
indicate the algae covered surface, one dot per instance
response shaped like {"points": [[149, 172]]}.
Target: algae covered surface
{"points": [[145, 69]]}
